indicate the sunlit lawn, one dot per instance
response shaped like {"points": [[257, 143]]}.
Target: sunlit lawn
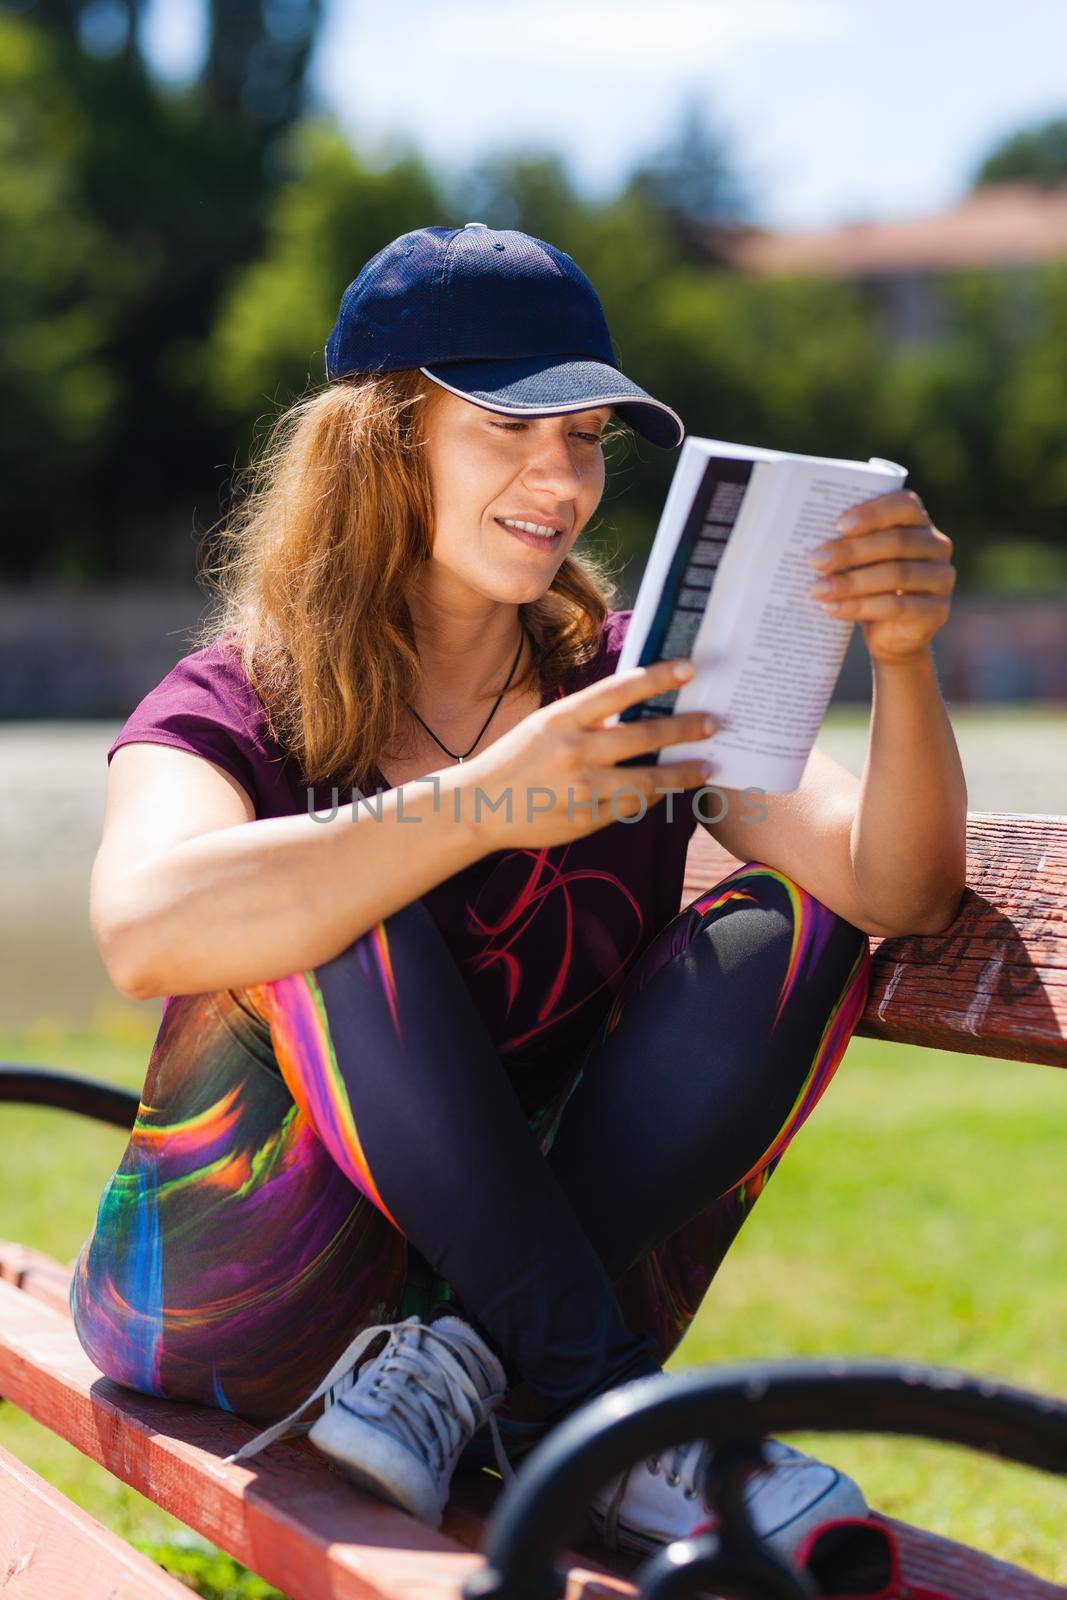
{"points": [[919, 1215]]}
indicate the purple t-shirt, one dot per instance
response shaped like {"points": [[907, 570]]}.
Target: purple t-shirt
{"points": [[542, 937]]}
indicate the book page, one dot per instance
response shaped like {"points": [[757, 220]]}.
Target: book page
{"points": [[767, 655]]}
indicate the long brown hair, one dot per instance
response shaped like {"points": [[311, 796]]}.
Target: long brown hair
{"points": [[316, 560]]}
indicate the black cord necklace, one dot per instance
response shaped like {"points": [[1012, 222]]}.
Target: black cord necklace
{"points": [[466, 754]]}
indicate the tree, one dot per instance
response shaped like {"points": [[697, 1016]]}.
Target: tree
{"points": [[1030, 443], [528, 190], [60, 301], [257, 59], [257, 54], [334, 210], [1036, 155], [157, 197], [692, 184], [105, 27]]}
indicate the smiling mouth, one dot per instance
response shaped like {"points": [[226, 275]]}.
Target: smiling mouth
{"points": [[537, 534]]}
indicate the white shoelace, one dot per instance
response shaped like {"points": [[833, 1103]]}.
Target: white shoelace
{"points": [[685, 1465], [425, 1424], [685, 1469]]}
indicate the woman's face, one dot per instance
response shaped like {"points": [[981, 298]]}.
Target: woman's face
{"points": [[487, 469]]}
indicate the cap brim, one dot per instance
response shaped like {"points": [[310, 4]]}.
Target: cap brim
{"points": [[551, 386]]}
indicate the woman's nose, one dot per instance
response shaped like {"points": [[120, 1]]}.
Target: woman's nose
{"points": [[552, 464]]}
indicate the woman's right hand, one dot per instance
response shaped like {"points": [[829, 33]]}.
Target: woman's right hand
{"points": [[554, 777]]}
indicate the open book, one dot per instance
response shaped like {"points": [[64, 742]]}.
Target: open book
{"points": [[726, 584]]}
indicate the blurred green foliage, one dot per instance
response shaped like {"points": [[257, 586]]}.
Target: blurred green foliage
{"points": [[1036, 154], [171, 262]]}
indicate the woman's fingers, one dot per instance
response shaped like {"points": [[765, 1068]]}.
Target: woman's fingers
{"points": [[589, 707], [910, 542], [628, 739], [897, 505], [622, 741], [888, 577], [630, 792], [891, 607]]}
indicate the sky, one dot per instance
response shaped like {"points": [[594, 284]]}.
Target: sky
{"points": [[835, 110]]}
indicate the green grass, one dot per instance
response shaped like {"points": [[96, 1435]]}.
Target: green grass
{"points": [[917, 1217]]}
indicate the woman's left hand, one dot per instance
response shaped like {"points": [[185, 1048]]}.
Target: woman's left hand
{"points": [[891, 571]]}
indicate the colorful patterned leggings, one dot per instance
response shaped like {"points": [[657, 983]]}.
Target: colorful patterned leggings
{"points": [[303, 1144]]}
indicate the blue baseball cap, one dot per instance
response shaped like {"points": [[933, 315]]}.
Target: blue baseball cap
{"points": [[498, 317]]}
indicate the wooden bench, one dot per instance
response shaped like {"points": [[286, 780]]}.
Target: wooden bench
{"points": [[994, 983]]}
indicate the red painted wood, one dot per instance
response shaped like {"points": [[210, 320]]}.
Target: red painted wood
{"points": [[47, 1280], [50, 1547], [288, 1515], [588, 1574], [995, 982], [963, 1573], [928, 1558]]}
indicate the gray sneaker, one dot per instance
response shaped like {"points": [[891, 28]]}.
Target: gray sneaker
{"points": [[398, 1422], [659, 1499]]}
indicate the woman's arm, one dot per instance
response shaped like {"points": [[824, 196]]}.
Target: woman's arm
{"points": [[878, 850], [189, 892], [887, 851], [908, 838], [890, 569]]}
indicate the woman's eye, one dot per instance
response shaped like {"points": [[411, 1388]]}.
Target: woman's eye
{"points": [[594, 438]]}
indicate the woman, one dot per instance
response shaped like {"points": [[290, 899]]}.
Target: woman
{"points": [[438, 1057]]}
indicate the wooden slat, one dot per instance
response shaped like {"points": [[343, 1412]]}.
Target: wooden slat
{"points": [[48, 1281], [288, 1514], [963, 1573], [50, 1547], [589, 1572], [40, 1275], [951, 1568], [995, 982], [44, 1279]]}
